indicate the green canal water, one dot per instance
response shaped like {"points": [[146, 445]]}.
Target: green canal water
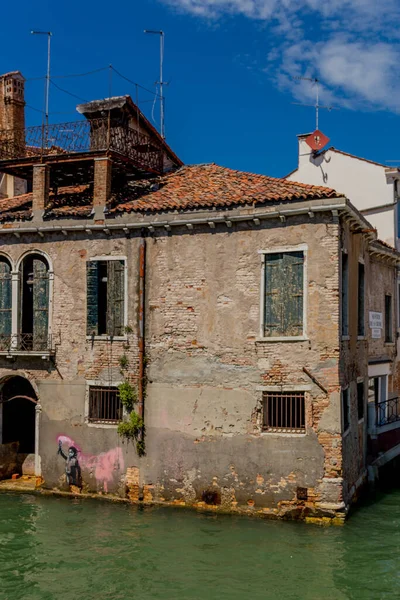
{"points": [[58, 548]]}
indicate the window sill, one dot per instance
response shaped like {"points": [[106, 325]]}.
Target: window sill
{"points": [[361, 338], [391, 343], [107, 338], [300, 338], [284, 433], [345, 338], [36, 353], [103, 425], [346, 433]]}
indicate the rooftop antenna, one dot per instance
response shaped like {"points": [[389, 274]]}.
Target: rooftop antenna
{"points": [[317, 105], [47, 86], [161, 83]]}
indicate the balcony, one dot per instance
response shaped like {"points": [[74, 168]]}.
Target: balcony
{"points": [[388, 412], [78, 140], [26, 344], [383, 429]]}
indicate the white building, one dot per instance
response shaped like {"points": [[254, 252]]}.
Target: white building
{"points": [[371, 187]]}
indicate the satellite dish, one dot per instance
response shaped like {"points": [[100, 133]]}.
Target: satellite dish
{"points": [[317, 140]]}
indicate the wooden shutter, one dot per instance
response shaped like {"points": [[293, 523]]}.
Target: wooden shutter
{"points": [[115, 297], [273, 316], [40, 304], [5, 304], [92, 287], [345, 294], [284, 279], [292, 293]]}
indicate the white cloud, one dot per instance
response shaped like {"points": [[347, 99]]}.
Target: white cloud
{"points": [[352, 72], [355, 50]]}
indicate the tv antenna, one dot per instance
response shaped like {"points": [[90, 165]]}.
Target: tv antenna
{"points": [[161, 83], [317, 105], [47, 87]]}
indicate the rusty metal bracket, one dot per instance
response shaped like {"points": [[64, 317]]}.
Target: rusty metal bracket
{"points": [[315, 380]]}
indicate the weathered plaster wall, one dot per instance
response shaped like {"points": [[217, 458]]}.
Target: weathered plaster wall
{"points": [[382, 281], [206, 367], [62, 387], [354, 364], [357, 352]]}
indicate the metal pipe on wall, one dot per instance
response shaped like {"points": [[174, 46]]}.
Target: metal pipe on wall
{"points": [[141, 345]]}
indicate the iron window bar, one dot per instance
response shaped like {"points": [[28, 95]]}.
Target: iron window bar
{"points": [[105, 405], [284, 412]]}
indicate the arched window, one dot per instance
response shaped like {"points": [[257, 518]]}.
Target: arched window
{"points": [[5, 303], [33, 326]]}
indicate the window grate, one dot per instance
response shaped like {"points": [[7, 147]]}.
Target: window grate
{"points": [[284, 412], [104, 405]]}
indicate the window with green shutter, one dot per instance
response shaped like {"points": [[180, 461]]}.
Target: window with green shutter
{"points": [[33, 318], [5, 303], [284, 294], [105, 297], [345, 294], [40, 290]]}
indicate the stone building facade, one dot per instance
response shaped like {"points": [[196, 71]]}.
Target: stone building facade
{"points": [[225, 301]]}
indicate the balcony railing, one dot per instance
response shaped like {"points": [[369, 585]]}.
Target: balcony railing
{"points": [[388, 412], [26, 343], [81, 136]]}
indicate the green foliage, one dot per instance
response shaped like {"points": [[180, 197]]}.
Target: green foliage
{"points": [[127, 394], [128, 329], [140, 447], [123, 361], [131, 428]]}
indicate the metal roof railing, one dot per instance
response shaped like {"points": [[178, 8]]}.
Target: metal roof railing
{"points": [[94, 135]]}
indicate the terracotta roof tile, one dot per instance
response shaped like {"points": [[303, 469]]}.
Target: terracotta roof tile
{"points": [[192, 187], [16, 208], [209, 186]]}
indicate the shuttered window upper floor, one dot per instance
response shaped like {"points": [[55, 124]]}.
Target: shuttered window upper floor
{"points": [[106, 297]]}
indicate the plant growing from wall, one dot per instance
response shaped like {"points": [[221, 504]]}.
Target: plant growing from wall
{"points": [[132, 427], [123, 362], [128, 395]]}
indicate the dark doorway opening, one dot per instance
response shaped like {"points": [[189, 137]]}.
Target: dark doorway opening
{"points": [[18, 403]]}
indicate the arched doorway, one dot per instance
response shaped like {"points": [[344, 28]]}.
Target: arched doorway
{"points": [[18, 404]]}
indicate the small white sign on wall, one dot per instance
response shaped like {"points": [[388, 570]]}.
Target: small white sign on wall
{"points": [[376, 333], [375, 320]]}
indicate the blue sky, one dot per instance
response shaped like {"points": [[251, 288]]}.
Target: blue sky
{"points": [[231, 66]]}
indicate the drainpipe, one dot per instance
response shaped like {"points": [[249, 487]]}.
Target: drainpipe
{"points": [[38, 467], [142, 263]]}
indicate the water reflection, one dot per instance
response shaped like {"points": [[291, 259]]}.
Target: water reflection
{"points": [[56, 548]]}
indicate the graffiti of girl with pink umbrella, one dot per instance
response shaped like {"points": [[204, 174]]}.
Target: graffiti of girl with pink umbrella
{"points": [[72, 467]]}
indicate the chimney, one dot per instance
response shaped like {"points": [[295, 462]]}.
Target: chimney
{"points": [[12, 101], [305, 152]]}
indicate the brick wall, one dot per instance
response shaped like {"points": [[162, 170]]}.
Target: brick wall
{"points": [[102, 181]]}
